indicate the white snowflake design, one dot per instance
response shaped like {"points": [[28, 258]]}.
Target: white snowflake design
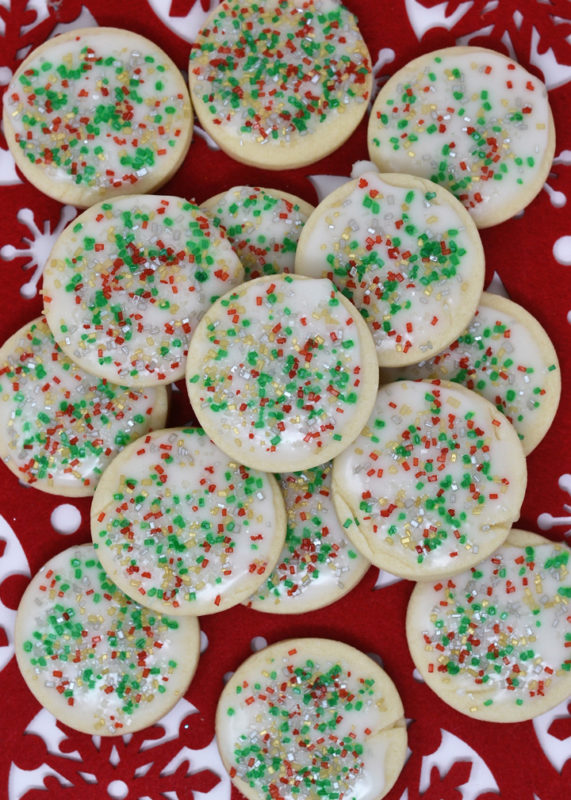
{"points": [[38, 247], [547, 521]]}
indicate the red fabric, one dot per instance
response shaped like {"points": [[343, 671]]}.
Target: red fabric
{"points": [[520, 250]]}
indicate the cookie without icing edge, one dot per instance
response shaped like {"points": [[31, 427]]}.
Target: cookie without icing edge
{"points": [[382, 751], [235, 208], [88, 624], [443, 152], [536, 355], [370, 245], [306, 141], [127, 282], [509, 656], [392, 507], [138, 171], [159, 546], [318, 564], [71, 416], [271, 362]]}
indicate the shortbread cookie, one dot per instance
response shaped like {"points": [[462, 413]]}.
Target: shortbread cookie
{"points": [[182, 528], [127, 282], [59, 426], [97, 112], [310, 718], [98, 661], [280, 84], [470, 119], [493, 642], [433, 483], [282, 373], [506, 356], [263, 226], [406, 253], [318, 564]]}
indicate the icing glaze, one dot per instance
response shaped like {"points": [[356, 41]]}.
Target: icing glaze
{"points": [[472, 120], [262, 225], [495, 638], [405, 253], [128, 281], [433, 482], [278, 73], [318, 564], [278, 372], [95, 112], [60, 426], [505, 356], [184, 529], [308, 717], [100, 662]]}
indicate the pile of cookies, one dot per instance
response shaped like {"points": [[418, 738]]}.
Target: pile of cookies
{"points": [[361, 400]]}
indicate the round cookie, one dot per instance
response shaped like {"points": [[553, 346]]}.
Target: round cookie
{"points": [[472, 120], [59, 426], [507, 357], [317, 565], [306, 718], [182, 528], [98, 661], [263, 226], [494, 642], [127, 282], [406, 253], [433, 483], [97, 112], [282, 373], [280, 85]]}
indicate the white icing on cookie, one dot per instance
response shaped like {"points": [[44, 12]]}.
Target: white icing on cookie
{"points": [[182, 527], [405, 253], [97, 112], [61, 427], [263, 226], [318, 564], [472, 120], [280, 373], [100, 662], [493, 640], [434, 481], [128, 281]]}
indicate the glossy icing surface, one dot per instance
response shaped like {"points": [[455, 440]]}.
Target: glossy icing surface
{"points": [[405, 254], [60, 426], [99, 661], [277, 372], [470, 119], [433, 482], [181, 526], [128, 281]]}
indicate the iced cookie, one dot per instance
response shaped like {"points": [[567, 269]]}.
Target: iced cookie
{"points": [[433, 483], [182, 528], [309, 718], [507, 357], [59, 426], [406, 253], [493, 642], [282, 373], [97, 112], [97, 660], [318, 564], [280, 84], [263, 226], [127, 282], [470, 119]]}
